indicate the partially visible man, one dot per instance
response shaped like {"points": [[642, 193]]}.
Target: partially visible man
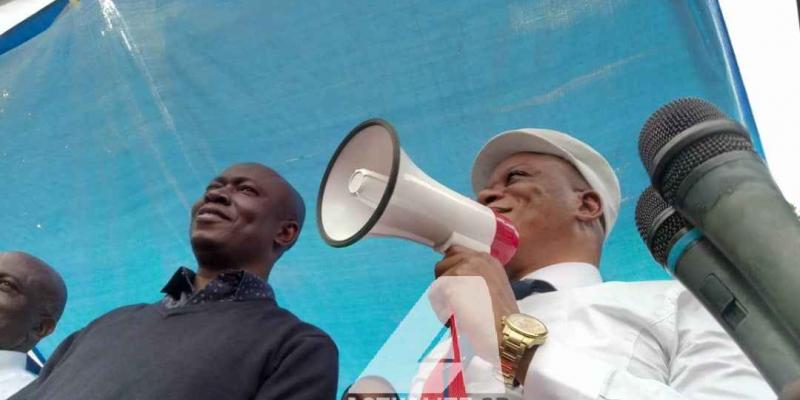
{"points": [[614, 340], [32, 299], [218, 333], [370, 387]]}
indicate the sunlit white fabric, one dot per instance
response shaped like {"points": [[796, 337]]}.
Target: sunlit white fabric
{"points": [[626, 340]]}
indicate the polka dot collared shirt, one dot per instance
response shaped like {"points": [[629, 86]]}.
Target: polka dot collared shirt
{"points": [[228, 286]]}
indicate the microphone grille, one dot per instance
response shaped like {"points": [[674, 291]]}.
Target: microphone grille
{"points": [[658, 224], [649, 206], [669, 121], [692, 156]]}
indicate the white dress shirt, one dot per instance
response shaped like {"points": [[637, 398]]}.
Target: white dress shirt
{"points": [[624, 341], [13, 375]]}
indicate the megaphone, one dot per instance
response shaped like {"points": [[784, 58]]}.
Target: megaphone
{"points": [[372, 188]]}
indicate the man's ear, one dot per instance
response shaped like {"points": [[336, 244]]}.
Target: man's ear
{"points": [[287, 234], [46, 326], [590, 207]]}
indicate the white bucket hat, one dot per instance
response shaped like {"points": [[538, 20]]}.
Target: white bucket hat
{"points": [[594, 168]]}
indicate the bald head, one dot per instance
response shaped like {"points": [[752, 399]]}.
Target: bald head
{"points": [[370, 387], [247, 218], [32, 299], [289, 204]]}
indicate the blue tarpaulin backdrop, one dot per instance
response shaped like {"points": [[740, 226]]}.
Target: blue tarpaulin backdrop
{"points": [[114, 118]]}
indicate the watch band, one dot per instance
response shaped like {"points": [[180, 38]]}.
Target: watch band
{"points": [[513, 348], [511, 353]]}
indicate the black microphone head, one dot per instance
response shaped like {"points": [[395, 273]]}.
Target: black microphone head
{"points": [[669, 121], [659, 225], [671, 145]]}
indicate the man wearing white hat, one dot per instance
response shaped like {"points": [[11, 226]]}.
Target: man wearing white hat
{"points": [[562, 332]]}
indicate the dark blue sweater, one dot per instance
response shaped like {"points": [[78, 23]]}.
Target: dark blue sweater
{"points": [[217, 350]]}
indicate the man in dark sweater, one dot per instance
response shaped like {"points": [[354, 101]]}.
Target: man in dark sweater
{"points": [[218, 333]]}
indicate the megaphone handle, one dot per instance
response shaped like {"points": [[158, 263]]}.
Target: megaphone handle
{"points": [[461, 240], [503, 246]]}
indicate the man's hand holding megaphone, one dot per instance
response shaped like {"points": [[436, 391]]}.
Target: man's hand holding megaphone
{"points": [[472, 301]]}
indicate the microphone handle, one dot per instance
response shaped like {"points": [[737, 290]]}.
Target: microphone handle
{"points": [[724, 292], [733, 200]]}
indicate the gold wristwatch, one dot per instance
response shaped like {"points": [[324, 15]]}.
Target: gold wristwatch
{"points": [[521, 333]]}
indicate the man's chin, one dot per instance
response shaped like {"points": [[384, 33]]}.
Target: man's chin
{"points": [[205, 241]]}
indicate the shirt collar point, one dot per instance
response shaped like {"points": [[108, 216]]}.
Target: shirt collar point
{"points": [[568, 275]]}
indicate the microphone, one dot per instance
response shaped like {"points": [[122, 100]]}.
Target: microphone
{"points": [[702, 163], [720, 287]]}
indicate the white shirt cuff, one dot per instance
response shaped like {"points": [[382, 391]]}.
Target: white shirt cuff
{"points": [[483, 377], [557, 370]]}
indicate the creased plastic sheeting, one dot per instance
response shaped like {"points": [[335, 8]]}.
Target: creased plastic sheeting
{"points": [[115, 118]]}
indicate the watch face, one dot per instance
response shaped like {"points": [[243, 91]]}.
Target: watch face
{"points": [[526, 324]]}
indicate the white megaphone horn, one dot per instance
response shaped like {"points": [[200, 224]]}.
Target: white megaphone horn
{"points": [[372, 188]]}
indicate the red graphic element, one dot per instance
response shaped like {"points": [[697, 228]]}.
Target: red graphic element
{"points": [[506, 240], [438, 386]]}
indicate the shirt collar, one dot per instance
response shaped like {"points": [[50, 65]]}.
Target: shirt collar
{"points": [[13, 359], [182, 281], [234, 285], [568, 275]]}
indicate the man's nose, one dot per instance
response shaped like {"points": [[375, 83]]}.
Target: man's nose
{"points": [[218, 195], [489, 195]]}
